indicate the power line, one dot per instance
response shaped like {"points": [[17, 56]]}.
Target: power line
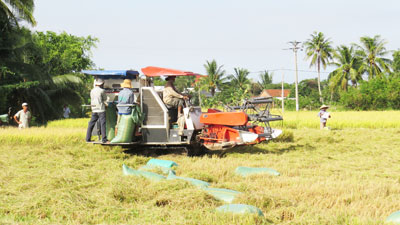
{"points": [[274, 70]]}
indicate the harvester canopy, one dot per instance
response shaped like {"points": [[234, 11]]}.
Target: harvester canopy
{"points": [[152, 71], [113, 74]]}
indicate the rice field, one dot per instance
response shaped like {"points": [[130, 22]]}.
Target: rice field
{"points": [[343, 119], [302, 119], [348, 175]]}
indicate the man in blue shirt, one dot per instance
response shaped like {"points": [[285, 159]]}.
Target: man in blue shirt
{"points": [[125, 97]]}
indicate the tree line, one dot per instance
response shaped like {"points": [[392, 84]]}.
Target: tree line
{"points": [[40, 67], [363, 78]]}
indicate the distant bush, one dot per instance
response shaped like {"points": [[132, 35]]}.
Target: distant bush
{"points": [[376, 94]]}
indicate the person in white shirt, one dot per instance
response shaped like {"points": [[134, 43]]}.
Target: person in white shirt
{"points": [[23, 117], [98, 102], [323, 115], [66, 111]]}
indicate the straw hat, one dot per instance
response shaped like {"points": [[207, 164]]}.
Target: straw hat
{"points": [[127, 83], [99, 81], [324, 107]]}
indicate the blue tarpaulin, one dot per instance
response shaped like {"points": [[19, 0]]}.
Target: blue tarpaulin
{"points": [[108, 74], [394, 218], [240, 209]]}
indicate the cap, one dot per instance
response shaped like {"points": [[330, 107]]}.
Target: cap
{"points": [[24, 104]]}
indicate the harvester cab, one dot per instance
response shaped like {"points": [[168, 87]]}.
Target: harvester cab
{"points": [[213, 130]]}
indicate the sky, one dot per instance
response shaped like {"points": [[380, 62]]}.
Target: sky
{"points": [[184, 34]]}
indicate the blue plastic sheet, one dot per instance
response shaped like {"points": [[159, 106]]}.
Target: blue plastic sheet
{"points": [[246, 171], [394, 218], [149, 175], [150, 168], [240, 209], [161, 163], [222, 194], [195, 182]]}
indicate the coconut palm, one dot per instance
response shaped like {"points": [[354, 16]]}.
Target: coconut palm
{"points": [[372, 50], [266, 79], [18, 9], [349, 69], [240, 79], [215, 77], [319, 50]]}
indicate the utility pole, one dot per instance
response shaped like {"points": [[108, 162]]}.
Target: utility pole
{"points": [[283, 93], [295, 47]]}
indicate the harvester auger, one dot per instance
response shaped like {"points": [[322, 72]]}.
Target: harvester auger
{"points": [[259, 111], [246, 124]]}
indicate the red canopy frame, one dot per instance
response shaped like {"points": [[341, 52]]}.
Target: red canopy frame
{"points": [[152, 71]]}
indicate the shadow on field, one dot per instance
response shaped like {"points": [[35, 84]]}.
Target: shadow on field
{"points": [[154, 152], [251, 149], [257, 150]]}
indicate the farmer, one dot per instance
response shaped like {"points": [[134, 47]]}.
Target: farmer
{"points": [[23, 117], [323, 115], [127, 97], [173, 99], [98, 102], [66, 111]]}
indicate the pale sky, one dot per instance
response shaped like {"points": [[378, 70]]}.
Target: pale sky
{"points": [[183, 34]]}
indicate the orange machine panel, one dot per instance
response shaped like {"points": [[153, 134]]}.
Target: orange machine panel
{"points": [[224, 118]]}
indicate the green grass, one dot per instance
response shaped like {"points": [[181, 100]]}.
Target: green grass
{"points": [[344, 176]]}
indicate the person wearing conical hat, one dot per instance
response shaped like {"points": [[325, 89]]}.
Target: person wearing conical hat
{"points": [[125, 97], [323, 115]]}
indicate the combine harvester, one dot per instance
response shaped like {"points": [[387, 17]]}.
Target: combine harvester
{"points": [[246, 124]]}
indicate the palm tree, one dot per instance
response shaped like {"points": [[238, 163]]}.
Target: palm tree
{"points": [[349, 68], [18, 9], [372, 50], [240, 79], [266, 79], [319, 50], [215, 77]]}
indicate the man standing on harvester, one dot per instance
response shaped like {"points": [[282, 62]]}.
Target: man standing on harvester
{"points": [[125, 97], [98, 103], [173, 99]]}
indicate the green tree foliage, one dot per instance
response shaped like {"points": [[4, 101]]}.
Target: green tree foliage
{"points": [[62, 53], [376, 94], [265, 79], [15, 10], [240, 79], [214, 79], [373, 51], [349, 69], [396, 61], [319, 51], [182, 83], [39, 68]]}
